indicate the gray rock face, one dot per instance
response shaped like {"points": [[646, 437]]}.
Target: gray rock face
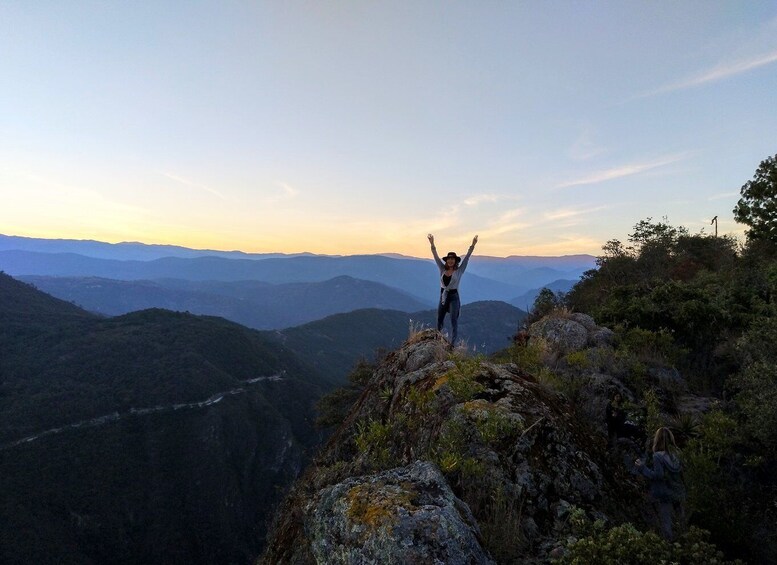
{"points": [[404, 515], [567, 335], [572, 333], [600, 337], [584, 320], [428, 349]]}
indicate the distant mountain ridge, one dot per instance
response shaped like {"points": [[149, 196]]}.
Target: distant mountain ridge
{"points": [[255, 304], [488, 278], [124, 251], [132, 250]]}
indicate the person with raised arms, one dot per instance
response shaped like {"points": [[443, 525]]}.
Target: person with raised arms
{"points": [[451, 270]]}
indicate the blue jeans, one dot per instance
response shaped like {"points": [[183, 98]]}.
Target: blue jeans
{"points": [[452, 305]]}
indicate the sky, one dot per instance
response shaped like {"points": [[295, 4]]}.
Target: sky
{"points": [[545, 127]]}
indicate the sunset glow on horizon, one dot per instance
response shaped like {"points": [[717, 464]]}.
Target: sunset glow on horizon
{"points": [[351, 128]]}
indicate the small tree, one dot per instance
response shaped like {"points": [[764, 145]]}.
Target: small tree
{"points": [[758, 206]]}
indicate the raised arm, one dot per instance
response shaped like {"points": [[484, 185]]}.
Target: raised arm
{"points": [[469, 252], [440, 263]]}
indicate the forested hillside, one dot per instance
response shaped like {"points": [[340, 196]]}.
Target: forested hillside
{"points": [[705, 305], [154, 437], [708, 306]]}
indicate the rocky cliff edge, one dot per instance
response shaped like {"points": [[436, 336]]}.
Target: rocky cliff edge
{"points": [[449, 459]]}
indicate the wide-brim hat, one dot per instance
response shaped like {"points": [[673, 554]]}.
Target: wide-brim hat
{"points": [[452, 255]]}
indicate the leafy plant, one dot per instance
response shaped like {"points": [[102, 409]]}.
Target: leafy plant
{"points": [[373, 440], [462, 381]]}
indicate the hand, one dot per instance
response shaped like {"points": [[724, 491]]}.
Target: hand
{"points": [[474, 240], [638, 462], [430, 237]]}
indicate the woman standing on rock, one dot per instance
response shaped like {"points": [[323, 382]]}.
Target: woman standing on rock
{"points": [[666, 484], [451, 270]]}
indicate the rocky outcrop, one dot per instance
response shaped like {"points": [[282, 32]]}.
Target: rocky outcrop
{"points": [[567, 335], [361, 519], [446, 459], [571, 333]]}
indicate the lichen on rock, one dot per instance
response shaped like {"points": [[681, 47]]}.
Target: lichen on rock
{"points": [[403, 515]]}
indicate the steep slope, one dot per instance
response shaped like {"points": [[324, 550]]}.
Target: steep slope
{"points": [[155, 437], [441, 457], [254, 304], [24, 304]]}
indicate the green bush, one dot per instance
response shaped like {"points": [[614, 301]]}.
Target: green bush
{"points": [[451, 452], [626, 544], [579, 360], [495, 426], [757, 403], [373, 440], [462, 380], [646, 345], [529, 356]]}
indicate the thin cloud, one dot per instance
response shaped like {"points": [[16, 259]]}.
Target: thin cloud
{"points": [[287, 192], [622, 171], [506, 223], [719, 72], [288, 189], [480, 198], [511, 214], [584, 148], [56, 191], [566, 213], [192, 184], [450, 215], [723, 195]]}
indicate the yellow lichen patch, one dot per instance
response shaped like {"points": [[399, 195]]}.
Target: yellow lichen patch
{"points": [[479, 407], [376, 505], [441, 380]]}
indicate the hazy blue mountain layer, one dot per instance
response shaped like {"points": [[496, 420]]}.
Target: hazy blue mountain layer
{"points": [[254, 304], [489, 278], [526, 300]]}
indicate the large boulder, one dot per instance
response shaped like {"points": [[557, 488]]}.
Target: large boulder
{"points": [[566, 334], [403, 515], [600, 337]]}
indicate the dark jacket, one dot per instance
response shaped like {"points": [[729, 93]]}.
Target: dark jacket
{"points": [[666, 483]]}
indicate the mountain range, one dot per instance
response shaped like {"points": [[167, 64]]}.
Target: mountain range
{"points": [[268, 291], [254, 304]]}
